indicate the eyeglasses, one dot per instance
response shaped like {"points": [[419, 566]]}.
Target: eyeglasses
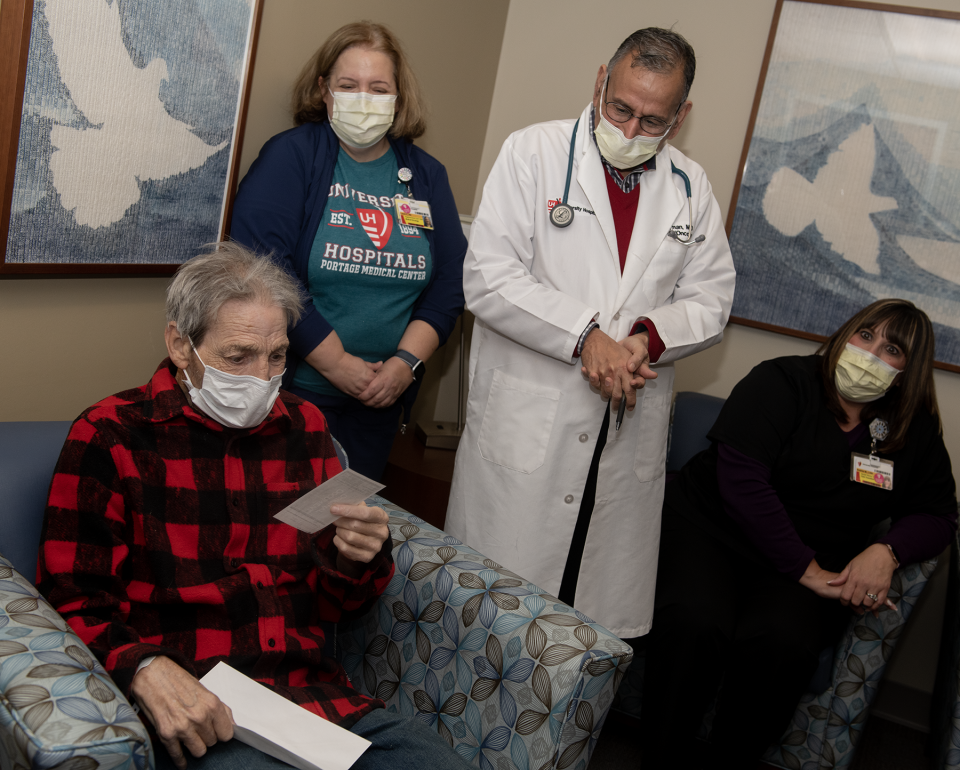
{"points": [[648, 123]]}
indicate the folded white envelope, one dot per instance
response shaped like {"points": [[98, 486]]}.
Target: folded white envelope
{"points": [[280, 728]]}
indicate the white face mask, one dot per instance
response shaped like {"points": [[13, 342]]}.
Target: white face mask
{"points": [[620, 152], [861, 377], [233, 400], [361, 120]]}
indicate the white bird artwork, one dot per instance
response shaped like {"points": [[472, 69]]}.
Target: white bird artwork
{"points": [[942, 258], [838, 200], [96, 170]]}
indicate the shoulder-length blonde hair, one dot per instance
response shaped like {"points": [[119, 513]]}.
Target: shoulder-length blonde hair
{"points": [[308, 105], [909, 328]]}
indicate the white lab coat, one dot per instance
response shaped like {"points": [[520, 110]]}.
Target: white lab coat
{"points": [[532, 417]]}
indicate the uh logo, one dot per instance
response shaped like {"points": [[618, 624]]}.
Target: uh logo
{"points": [[377, 224]]}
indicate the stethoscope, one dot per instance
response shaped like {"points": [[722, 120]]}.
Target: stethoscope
{"points": [[561, 214]]}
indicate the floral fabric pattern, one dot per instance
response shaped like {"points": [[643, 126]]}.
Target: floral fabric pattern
{"points": [[58, 707], [506, 674]]}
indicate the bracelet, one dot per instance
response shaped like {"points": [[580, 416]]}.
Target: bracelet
{"points": [[583, 337], [893, 556]]}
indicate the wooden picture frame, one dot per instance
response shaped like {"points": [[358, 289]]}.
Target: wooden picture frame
{"points": [[849, 179], [121, 125]]}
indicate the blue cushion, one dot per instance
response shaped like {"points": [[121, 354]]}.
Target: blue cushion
{"points": [[693, 416], [28, 455]]}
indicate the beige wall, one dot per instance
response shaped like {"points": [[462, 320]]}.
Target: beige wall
{"points": [[67, 343]]}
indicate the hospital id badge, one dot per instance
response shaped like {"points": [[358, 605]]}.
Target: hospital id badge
{"points": [[871, 470], [414, 213]]}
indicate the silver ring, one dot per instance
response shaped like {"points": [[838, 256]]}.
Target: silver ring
{"points": [[872, 597]]}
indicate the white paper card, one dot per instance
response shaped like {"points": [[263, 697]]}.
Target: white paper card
{"points": [[311, 513], [280, 728]]}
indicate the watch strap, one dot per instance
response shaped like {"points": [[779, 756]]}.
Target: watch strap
{"points": [[415, 364]]}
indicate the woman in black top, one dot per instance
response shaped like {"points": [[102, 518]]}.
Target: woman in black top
{"points": [[765, 540]]}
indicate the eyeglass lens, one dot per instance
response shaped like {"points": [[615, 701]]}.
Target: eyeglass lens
{"points": [[620, 114]]}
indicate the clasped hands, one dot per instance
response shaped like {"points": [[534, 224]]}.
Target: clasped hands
{"points": [[185, 714], [375, 384], [868, 574], [617, 369]]}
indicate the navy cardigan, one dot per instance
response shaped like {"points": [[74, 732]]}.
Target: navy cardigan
{"points": [[280, 204]]}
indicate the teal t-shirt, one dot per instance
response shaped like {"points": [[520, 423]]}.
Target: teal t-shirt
{"points": [[366, 269]]}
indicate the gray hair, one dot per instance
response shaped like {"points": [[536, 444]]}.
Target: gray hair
{"points": [[205, 283], [659, 50]]}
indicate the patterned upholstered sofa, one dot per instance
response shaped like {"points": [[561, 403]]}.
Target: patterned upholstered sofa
{"points": [[506, 674]]}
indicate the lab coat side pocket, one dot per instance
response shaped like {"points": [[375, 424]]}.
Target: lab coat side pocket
{"points": [[651, 459], [517, 422]]}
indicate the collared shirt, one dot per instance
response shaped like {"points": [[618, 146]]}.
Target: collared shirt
{"points": [[159, 539], [631, 180]]}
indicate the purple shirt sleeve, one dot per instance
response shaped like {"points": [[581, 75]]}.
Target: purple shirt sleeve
{"points": [[918, 534], [752, 502]]}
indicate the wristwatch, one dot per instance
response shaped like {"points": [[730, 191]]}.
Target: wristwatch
{"points": [[415, 364]]}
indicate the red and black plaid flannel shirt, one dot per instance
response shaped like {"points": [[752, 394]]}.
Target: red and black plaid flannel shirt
{"points": [[159, 540]]}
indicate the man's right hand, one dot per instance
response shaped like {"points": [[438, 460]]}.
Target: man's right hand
{"points": [[604, 363], [181, 709]]}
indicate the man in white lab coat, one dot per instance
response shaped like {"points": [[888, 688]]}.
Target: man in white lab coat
{"points": [[572, 316]]}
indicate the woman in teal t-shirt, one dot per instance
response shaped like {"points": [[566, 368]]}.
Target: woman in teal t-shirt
{"points": [[323, 199]]}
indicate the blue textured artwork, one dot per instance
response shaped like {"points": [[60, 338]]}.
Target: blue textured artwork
{"points": [[851, 188], [127, 129]]}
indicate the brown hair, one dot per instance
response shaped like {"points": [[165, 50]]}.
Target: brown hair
{"points": [[909, 328], [308, 105]]}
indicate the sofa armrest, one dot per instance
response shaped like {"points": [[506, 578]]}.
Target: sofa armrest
{"points": [[57, 704], [827, 726], [494, 664]]}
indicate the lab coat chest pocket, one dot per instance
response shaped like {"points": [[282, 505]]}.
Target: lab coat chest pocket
{"points": [[651, 459], [660, 277], [517, 422]]}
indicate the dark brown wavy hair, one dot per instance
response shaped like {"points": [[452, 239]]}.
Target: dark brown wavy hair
{"points": [[308, 105], [909, 328]]}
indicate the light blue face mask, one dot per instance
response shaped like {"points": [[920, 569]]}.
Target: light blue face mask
{"points": [[233, 400]]}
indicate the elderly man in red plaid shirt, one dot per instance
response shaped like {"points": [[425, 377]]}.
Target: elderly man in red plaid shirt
{"points": [[159, 545]]}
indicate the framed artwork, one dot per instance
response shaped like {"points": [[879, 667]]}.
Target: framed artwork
{"points": [[121, 124], [849, 182]]}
